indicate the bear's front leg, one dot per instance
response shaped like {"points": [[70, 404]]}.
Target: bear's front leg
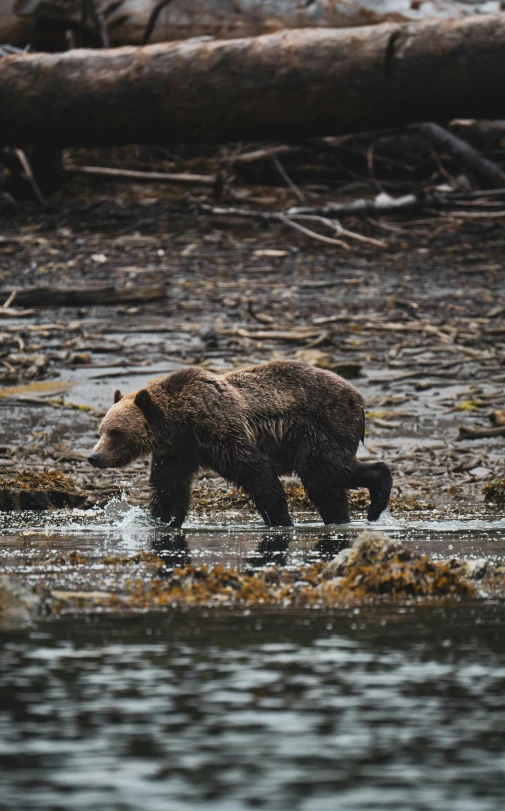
{"points": [[171, 490], [253, 471]]}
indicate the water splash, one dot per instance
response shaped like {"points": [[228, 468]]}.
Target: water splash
{"points": [[388, 521]]}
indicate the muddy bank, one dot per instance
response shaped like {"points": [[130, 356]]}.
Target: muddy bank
{"points": [[419, 325], [422, 323]]}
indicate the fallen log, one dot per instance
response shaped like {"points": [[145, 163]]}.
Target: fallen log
{"points": [[133, 22], [85, 296], [283, 86]]}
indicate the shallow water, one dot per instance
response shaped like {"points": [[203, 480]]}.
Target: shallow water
{"points": [[124, 530], [375, 708], [382, 708]]}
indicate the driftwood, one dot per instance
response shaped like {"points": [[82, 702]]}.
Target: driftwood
{"points": [[281, 86], [480, 433], [382, 204], [290, 218], [7, 310], [134, 22], [85, 296]]}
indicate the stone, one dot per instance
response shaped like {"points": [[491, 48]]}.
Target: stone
{"points": [[80, 358], [20, 604], [368, 549]]}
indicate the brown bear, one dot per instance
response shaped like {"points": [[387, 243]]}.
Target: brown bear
{"points": [[249, 426]]}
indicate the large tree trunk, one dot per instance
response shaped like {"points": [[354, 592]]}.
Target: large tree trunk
{"points": [[127, 20], [282, 86]]}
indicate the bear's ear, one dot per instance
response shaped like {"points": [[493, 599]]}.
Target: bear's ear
{"points": [[143, 401], [117, 396]]}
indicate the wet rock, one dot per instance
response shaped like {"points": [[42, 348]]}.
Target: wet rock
{"points": [[39, 491], [497, 418], [480, 472], [472, 569], [377, 566], [80, 359], [209, 337], [370, 548], [13, 499], [20, 604], [348, 369], [316, 357]]}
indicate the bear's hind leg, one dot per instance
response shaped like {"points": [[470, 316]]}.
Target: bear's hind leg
{"points": [[325, 490], [258, 478], [171, 490], [378, 480]]}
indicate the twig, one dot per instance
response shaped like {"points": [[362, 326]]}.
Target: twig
{"points": [[27, 170], [341, 231], [153, 19], [6, 309], [149, 177], [271, 334], [261, 154], [294, 188], [262, 318], [474, 215], [284, 217], [313, 234], [9, 300], [382, 204]]}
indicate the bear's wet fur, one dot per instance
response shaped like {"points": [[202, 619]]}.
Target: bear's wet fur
{"points": [[249, 426]]}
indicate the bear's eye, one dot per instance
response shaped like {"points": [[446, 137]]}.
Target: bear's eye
{"points": [[116, 433]]}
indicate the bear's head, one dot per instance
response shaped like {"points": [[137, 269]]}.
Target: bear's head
{"points": [[125, 431]]}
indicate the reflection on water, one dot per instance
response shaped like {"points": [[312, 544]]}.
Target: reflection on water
{"points": [[124, 530], [373, 709], [378, 708]]}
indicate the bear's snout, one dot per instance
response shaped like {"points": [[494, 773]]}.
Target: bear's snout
{"points": [[96, 460]]}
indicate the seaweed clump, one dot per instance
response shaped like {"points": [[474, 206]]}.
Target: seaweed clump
{"points": [[29, 490], [494, 493], [31, 480], [211, 499], [376, 567]]}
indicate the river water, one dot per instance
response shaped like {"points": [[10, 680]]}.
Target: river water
{"points": [[378, 708], [384, 707], [28, 538]]}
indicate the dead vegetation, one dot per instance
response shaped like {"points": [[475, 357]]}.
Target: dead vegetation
{"points": [[494, 493], [419, 325], [31, 480], [375, 568], [30, 490]]}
